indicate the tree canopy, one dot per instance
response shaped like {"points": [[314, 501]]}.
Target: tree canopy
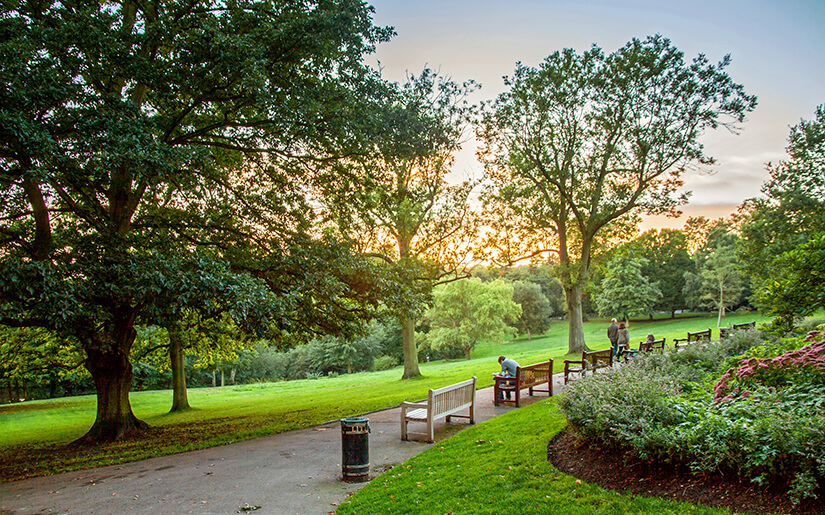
{"points": [[625, 291], [582, 143], [136, 132]]}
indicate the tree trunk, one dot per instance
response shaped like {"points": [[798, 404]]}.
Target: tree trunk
{"points": [[529, 336], [180, 400], [52, 386], [721, 305], [112, 375], [575, 341], [410, 352]]}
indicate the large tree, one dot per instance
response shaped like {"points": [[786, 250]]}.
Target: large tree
{"points": [[130, 129], [791, 209], [586, 141], [398, 203]]}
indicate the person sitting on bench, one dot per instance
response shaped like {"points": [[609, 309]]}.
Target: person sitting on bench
{"points": [[508, 369]]}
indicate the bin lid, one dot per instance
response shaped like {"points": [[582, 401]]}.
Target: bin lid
{"points": [[354, 420]]}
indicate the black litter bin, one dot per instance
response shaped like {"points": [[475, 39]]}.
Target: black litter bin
{"points": [[355, 449]]}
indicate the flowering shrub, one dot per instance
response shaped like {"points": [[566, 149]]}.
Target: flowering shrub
{"points": [[664, 408], [802, 365]]}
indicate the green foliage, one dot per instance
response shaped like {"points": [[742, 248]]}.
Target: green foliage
{"points": [[396, 201], [766, 435], [797, 287], [798, 367], [792, 208], [468, 311], [719, 282], [625, 292], [41, 362], [666, 252], [535, 308]]}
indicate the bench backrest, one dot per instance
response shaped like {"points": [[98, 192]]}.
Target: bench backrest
{"points": [[699, 335], [746, 326], [598, 358], [452, 397], [536, 373]]}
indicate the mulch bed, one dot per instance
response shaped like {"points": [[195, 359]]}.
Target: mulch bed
{"points": [[614, 470]]}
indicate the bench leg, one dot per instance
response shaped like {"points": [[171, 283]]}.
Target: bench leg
{"points": [[403, 426], [430, 430]]}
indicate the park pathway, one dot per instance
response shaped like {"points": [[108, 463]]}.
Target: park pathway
{"points": [[298, 472]]}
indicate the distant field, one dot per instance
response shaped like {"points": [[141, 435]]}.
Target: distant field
{"points": [[240, 412]]}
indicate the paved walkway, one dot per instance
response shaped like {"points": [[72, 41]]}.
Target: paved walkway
{"points": [[298, 472]]}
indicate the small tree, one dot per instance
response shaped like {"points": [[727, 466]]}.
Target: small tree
{"points": [[468, 311], [625, 291], [719, 283], [535, 308]]}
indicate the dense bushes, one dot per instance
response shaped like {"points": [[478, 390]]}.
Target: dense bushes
{"points": [[669, 408]]}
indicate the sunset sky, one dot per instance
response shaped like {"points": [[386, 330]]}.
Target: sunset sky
{"points": [[777, 48]]}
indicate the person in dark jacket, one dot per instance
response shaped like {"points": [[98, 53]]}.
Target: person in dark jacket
{"points": [[613, 336], [508, 369]]}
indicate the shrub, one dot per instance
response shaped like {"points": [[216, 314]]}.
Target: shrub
{"points": [[384, 363], [662, 407], [799, 366]]}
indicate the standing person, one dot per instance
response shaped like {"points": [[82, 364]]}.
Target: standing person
{"points": [[622, 340], [508, 369], [613, 336]]}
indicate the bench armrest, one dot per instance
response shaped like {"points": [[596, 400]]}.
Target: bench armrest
{"points": [[405, 405], [574, 361]]}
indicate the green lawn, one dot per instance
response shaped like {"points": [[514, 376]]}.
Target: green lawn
{"points": [[499, 466], [35, 433]]}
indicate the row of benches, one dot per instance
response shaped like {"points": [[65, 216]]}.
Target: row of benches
{"points": [[446, 402]]}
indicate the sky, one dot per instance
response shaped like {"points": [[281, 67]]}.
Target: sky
{"points": [[777, 50]]}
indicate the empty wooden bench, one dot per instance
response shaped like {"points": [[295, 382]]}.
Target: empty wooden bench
{"points": [[590, 362], [698, 336], [526, 378], [441, 403]]}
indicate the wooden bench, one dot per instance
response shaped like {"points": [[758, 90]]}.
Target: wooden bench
{"points": [[590, 362], [526, 378], [698, 336], [441, 403], [725, 331], [647, 346]]}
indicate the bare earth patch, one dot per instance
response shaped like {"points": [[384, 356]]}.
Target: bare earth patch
{"points": [[615, 471]]}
